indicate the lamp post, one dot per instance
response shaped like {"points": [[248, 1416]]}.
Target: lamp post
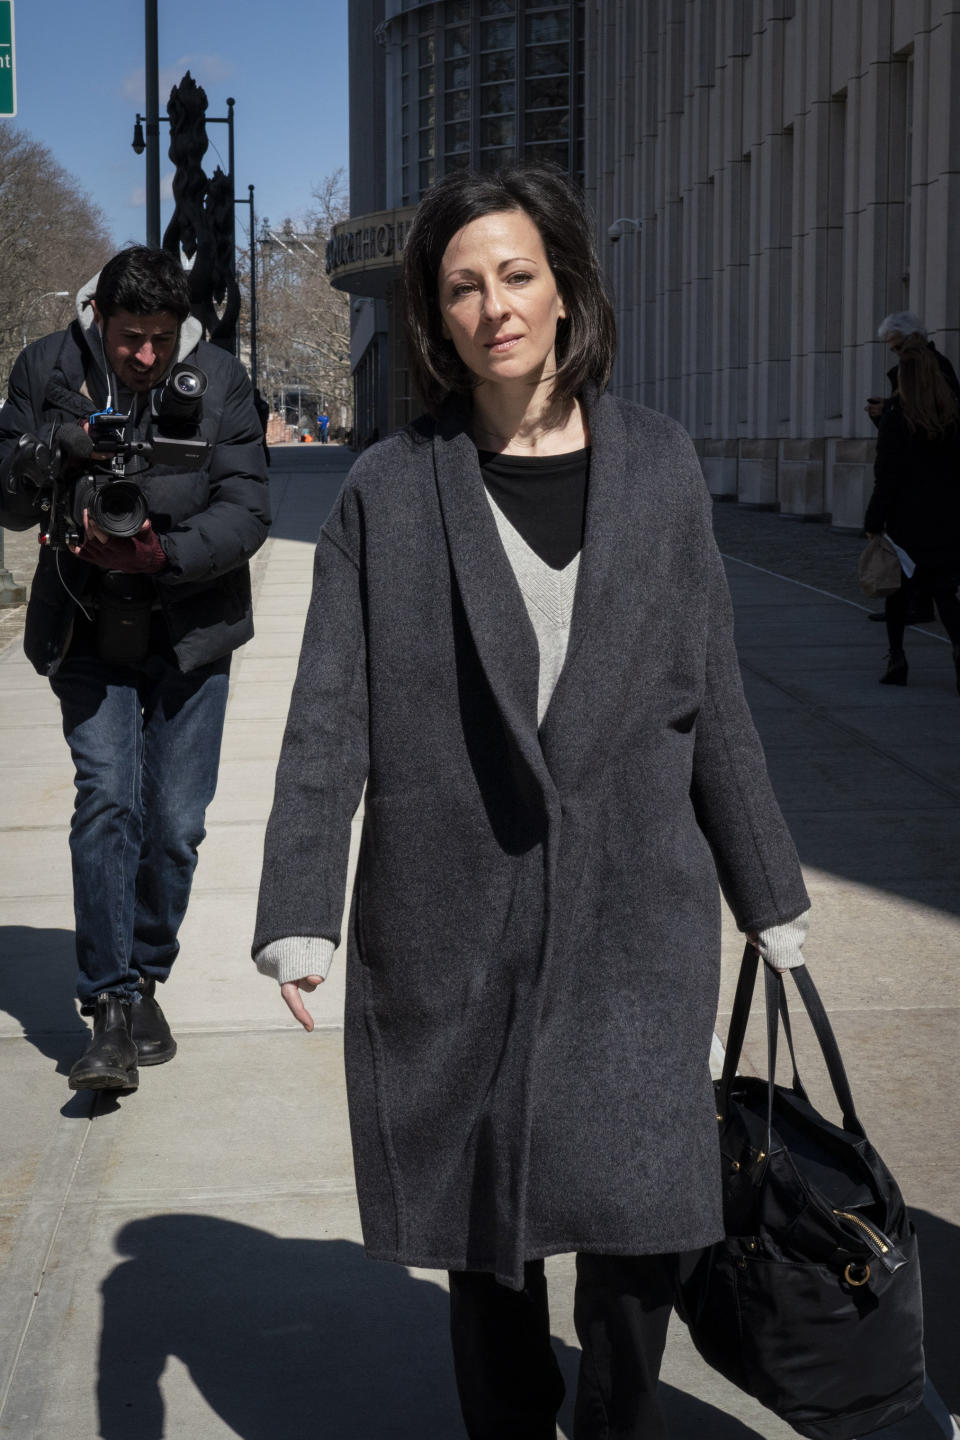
{"points": [[47, 295], [152, 63], [253, 283]]}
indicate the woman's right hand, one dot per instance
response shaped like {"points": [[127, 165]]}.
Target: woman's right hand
{"points": [[290, 991]]}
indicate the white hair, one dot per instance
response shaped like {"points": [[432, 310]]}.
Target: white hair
{"points": [[901, 322]]}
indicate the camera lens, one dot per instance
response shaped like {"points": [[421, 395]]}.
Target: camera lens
{"points": [[118, 508]]}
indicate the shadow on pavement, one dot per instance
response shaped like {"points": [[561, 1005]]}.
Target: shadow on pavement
{"points": [[688, 1417], [38, 980], [303, 488], [292, 1340], [284, 1339], [939, 1268]]}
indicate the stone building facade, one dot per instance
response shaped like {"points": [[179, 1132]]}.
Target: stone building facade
{"points": [[779, 174]]}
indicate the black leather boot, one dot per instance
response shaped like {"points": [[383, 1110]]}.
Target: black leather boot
{"points": [[149, 1028], [896, 671], [110, 1060]]}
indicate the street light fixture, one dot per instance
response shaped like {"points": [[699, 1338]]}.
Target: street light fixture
{"points": [[47, 295]]}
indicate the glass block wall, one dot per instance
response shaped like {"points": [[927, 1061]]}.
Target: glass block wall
{"points": [[485, 83]]}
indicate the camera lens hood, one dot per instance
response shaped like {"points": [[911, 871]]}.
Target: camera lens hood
{"points": [[118, 508]]}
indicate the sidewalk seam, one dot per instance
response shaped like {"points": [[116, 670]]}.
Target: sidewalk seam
{"points": [[829, 595], [54, 1234], [819, 712]]}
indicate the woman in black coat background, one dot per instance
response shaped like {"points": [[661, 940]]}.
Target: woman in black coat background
{"points": [[916, 497], [520, 640]]}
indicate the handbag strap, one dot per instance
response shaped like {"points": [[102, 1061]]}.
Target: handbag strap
{"points": [[829, 1048], [737, 1029], [796, 1082], [776, 1007]]}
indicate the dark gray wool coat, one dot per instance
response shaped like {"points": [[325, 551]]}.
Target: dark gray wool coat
{"points": [[534, 935]]}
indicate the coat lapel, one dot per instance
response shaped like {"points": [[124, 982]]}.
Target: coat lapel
{"points": [[611, 559], [496, 614], [607, 595]]}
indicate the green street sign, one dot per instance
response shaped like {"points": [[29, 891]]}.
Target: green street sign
{"points": [[8, 66]]}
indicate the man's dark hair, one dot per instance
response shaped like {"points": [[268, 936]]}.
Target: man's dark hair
{"points": [[143, 281], [586, 338]]}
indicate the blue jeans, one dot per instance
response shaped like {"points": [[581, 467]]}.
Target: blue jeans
{"points": [[145, 741]]}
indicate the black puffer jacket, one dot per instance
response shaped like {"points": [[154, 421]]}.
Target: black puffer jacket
{"points": [[210, 521]]}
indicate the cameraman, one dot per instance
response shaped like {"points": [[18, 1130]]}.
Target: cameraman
{"points": [[134, 631]]}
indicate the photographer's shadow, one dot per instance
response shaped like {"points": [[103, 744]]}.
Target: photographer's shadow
{"points": [[292, 1339], [38, 981], [284, 1339]]}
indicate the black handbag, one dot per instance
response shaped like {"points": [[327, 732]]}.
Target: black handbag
{"points": [[812, 1301]]}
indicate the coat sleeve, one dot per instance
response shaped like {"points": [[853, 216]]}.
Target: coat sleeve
{"points": [[234, 524], [733, 799], [324, 758], [18, 509], [887, 468]]}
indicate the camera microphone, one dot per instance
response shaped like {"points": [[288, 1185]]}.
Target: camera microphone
{"points": [[74, 443]]}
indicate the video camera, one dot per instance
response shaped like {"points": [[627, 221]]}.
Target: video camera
{"points": [[115, 504]]}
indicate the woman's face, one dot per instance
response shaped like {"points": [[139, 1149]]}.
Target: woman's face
{"points": [[499, 302]]}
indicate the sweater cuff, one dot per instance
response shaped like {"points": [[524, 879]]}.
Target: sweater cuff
{"points": [[781, 946], [294, 957]]}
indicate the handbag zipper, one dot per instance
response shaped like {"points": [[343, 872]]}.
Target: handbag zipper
{"points": [[877, 1239], [890, 1256]]}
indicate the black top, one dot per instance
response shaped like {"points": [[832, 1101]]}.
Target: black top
{"points": [[544, 497], [916, 494]]}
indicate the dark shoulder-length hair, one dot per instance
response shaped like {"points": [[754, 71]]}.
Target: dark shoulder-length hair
{"points": [[586, 338], [926, 398]]}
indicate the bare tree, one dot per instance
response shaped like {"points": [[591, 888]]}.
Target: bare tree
{"points": [[52, 237], [303, 323]]}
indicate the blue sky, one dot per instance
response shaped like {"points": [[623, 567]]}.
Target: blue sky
{"points": [[80, 83]]}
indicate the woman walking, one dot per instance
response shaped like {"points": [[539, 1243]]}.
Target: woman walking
{"points": [[916, 497], [520, 640]]}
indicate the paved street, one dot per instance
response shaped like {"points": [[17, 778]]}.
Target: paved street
{"points": [[186, 1261]]}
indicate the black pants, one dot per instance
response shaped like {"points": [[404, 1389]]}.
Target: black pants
{"points": [[940, 586], [508, 1378]]}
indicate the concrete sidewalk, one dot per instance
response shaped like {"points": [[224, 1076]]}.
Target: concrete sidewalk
{"points": [[186, 1261]]}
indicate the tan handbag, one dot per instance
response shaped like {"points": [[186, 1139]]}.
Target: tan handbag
{"points": [[879, 568]]}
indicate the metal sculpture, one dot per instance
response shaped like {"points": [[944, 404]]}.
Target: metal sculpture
{"points": [[201, 229]]}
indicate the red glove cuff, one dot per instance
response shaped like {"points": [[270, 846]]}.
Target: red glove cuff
{"points": [[141, 553]]}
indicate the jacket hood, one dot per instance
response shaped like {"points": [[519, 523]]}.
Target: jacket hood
{"points": [[191, 333]]}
